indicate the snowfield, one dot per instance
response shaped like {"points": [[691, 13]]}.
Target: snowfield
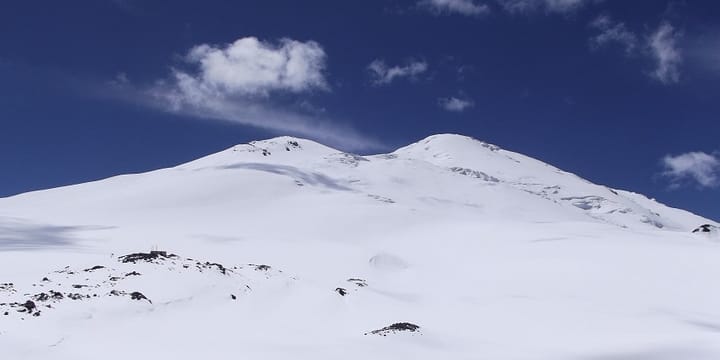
{"points": [[449, 248]]}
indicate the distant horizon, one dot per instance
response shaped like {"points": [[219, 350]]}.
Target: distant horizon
{"points": [[355, 153]]}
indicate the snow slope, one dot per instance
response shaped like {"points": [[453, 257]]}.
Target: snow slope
{"points": [[289, 249]]}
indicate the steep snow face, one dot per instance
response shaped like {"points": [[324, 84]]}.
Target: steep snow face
{"points": [[469, 156], [286, 248]]}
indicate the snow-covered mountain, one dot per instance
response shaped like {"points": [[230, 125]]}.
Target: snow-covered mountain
{"points": [[286, 249]]}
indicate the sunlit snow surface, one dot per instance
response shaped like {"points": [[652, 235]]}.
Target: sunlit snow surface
{"points": [[287, 249]]}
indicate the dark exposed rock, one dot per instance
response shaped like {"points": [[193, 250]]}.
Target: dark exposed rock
{"points": [[74, 296], [394, 328], [78, 286], [29, 306], [136, 295], [262, 267], [705, 228], [232, 296], [148, 257], [9, 287], [341, 291], [221, 268], [115, 278], [475, 174], [45, 279], [6, 313], [41, 297], [56, 295], [96, 267], [358, 282], [133, 273]]}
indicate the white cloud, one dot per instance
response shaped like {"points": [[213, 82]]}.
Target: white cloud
{"points": [[455, 104], [664, 49], [553, 6], [382, 74], [699, 167], [250, 66], [611, 31], [236, 83], [463, 7]]}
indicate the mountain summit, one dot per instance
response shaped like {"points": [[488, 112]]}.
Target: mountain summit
{"points": [[285, 248]]}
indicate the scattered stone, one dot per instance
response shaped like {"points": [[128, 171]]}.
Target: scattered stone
{"points": [[221, 268], [41, 297], [358, 282], [341, 291], [381, 198], [474, 174], [66, 270], [102, 287], [136, 295], [6, 313], [395, 328], [148, 257], [7, 287]]}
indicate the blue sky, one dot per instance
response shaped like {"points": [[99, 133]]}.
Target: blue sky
{"points": [[623, 93]]}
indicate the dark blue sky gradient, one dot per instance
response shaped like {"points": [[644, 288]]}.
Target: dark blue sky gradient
{"points": [[538, 88]]}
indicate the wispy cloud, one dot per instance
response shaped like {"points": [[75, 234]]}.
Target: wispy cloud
{"points": [[612, 32], [700, 168], [382, 74], [663, 44], [455, 104], [549, 6], [242, 83], [462, 7]]}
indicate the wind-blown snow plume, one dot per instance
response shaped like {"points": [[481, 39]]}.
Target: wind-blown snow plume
{"points": [[238, 82]]}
